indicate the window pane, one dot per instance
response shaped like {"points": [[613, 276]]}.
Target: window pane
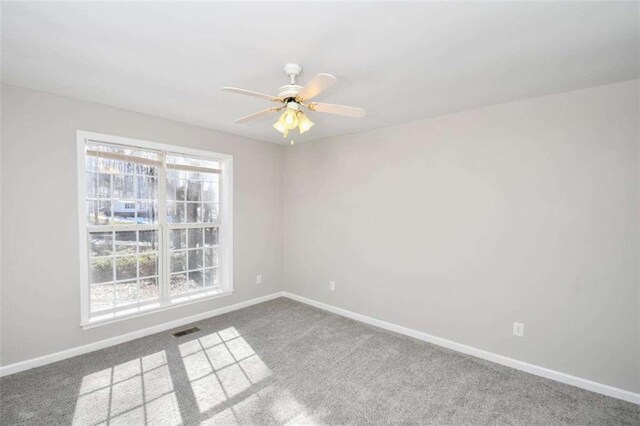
{"points": [[126, 242], [146, 188], [101, 243], [104, 165], [210, 213], [148, 289], [91, 164], [126, 292], [104, 185], [148, 265], [119, 184], [178, 239], [210, 192], [178, 261], [147, 169], [147, 213], [126, 267], [195, 259], [195, 237], [196, 280], [104, 212], [148, 241], [175, 212], [92, 213], [98, 212], [123, 167], [171, 189], [181, 189], [176, 174], [101, 269], [193, 190], [101, 296], [194, 212], [178, 284], [211, 277], [124, 187], [124, 211], [122, 192], [211, 257], [92, 185], [211, 237]]}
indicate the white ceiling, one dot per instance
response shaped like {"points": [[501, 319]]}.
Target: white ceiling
{"points": [[400, 61]]}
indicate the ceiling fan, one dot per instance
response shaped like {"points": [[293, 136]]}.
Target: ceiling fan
{"points": [[292, 97]]}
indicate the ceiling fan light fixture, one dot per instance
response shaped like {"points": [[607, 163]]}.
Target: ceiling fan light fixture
{"points": [[290, 118], [280, 126], [304, 123]]}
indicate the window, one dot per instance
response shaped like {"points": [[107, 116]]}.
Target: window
{"points": [[155, 226]]}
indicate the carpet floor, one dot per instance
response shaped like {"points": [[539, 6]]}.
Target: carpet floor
{"points": [[283, 362]]}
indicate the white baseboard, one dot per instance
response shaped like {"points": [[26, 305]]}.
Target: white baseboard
{"points": [[489, 356], [101, 344], [469, 350]]}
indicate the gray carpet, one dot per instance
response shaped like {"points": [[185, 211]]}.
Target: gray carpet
{"points": [[284, 362]]}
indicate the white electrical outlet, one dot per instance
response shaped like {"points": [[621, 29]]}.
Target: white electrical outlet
{"points": [[518, 329], [332, 285], [259, 279]]}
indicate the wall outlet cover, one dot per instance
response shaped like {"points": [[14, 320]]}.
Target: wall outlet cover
{"points": [[332, 285], [518, 329]]}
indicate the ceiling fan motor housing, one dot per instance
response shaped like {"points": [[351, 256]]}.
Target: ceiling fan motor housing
{"points": [[289, 91], [292, 104]]}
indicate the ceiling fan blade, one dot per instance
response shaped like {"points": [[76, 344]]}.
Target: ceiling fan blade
{"points": [[317, 85], [251, 93], [258, 115], [347, 111]]}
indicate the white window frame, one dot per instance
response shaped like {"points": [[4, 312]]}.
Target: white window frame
{"points": [[225, 230]]}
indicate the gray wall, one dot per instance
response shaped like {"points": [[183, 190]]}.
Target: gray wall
{"points": [[40, 291], [459, 225], [456, 226]]}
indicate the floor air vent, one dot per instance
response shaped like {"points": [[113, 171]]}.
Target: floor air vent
{"points": [[185, 332]]}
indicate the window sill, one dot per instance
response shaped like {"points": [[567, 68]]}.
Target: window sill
{"points": [[152, 309]]}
